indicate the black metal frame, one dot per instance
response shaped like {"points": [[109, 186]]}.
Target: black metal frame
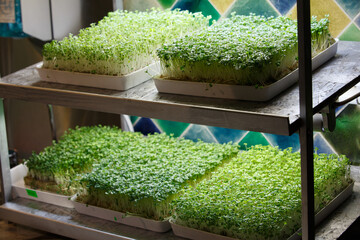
{"points": [[306, 116]]}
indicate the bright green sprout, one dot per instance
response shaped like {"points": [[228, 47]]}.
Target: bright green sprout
{"points": [[258, 194], [122, 42], [56, 167], [243, 50], [143, 178]]}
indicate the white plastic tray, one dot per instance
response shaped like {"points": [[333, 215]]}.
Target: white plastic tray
{"points": [[119, 217], [249, 93], [196, 234], [191, 233], [20, 190], [100, 81]]}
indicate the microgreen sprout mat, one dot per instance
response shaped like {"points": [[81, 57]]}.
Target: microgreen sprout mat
{"points": [[143, 178], [242, 50], [56, 167], [258, 194], [240, 92], [120, 43]]}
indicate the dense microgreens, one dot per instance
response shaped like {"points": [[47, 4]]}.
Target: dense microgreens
{"points": [[75, 153], [244, 50], [143, 178], [122, 42], [320, 35], [258, 194]]}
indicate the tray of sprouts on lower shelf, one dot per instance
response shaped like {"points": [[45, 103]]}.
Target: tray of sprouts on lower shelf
{"points": [[257, 195], [136, 185], [50, 176], [119, 52], [242, 57], [200, 190]]}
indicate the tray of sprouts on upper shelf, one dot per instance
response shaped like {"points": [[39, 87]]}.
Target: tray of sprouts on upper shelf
{"points": [[242, 57], [119, 52]]}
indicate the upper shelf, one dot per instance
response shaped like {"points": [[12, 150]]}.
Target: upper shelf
{"points": [[277, 116]]}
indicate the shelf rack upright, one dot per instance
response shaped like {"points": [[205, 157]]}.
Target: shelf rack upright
{"points": [[306, 117]]}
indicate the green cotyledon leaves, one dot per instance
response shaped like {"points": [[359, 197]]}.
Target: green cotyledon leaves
{"points": [[243, 50], [150, 172], [75, 152], [122, 42], [257, 195]]}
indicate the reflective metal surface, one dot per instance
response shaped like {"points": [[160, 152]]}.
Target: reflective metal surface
{"points": [[69, 223]]}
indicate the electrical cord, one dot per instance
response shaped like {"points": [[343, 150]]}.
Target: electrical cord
{"points": [[337, 104]]}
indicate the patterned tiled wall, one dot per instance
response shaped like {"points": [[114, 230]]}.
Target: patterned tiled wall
{"points": [[344, 24], [344, 14]]}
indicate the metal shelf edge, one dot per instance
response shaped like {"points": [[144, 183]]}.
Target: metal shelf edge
{"points": [[54, 226]]}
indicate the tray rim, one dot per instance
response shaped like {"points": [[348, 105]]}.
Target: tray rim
{"points": [[155, 226], [123, 82]]}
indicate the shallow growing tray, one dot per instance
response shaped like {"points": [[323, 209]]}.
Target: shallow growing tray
{"points": [[124, 82], [238, 92], [20, 190], [196, 234], [119, 217]]}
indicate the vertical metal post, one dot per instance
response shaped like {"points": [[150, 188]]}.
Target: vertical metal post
{"points": [[52, 122], [306, 115], [4, 159], [51, 20], [5, 69]]}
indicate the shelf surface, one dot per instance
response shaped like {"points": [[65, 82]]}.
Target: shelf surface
{"points": [[67, 222], [277, 116]]}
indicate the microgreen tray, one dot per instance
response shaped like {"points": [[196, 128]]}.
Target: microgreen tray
{"points": [[99, 81], [196, 234], [20, 190], [238, 92], [119, 217]]}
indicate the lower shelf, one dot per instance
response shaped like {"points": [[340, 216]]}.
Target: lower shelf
{"points": [[67, 222]]}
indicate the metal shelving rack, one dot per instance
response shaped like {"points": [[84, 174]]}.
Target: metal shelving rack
{"points": [[306, 117], [290, 112]]}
